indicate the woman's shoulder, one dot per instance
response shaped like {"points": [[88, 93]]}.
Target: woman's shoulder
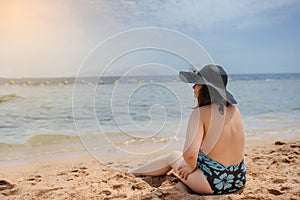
{"points": [[207, 110], [235, 109], [202, 112], [202, 109]]}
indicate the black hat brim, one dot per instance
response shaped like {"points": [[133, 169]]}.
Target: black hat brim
{"points": [[191, 77]]}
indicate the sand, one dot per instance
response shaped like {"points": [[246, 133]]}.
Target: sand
{"points": [[273, 173]]}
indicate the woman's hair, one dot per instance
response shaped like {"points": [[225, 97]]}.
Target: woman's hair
{"points": [[209, 95]]}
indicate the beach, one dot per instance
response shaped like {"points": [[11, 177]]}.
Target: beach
{"points": [[59, 144], [273, 172]]}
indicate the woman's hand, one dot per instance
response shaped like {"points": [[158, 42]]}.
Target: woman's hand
{"points": [[184, 170]]}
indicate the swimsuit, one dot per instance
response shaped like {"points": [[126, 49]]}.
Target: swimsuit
{"points": [[222, 179]]}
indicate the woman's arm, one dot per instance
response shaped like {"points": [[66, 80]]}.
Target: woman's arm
{"points": [[194, 137]]}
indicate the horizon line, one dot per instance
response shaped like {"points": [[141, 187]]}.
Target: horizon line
{"points": [[146, 75]]}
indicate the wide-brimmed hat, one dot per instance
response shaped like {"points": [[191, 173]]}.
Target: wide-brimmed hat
{"points": [[211, 75]]}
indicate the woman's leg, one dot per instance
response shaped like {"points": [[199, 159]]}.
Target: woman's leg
{"points": [[158, 166], [196, 181]]}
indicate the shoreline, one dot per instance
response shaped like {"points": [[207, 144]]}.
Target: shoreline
{"points": [[51, 147]]}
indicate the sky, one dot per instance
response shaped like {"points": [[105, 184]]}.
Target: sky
{"points": [[52, 38]]}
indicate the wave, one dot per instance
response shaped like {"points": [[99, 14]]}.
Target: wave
{"points": [[9, 97], [40, 140], [117, 138], [268, 117]]}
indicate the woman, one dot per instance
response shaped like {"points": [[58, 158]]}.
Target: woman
{"points": [[213, 159]]}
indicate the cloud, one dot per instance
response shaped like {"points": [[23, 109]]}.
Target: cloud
{"points": [[51, 38], [195, 14]]}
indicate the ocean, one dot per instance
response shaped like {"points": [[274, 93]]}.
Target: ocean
{"points": [[126, 112]]}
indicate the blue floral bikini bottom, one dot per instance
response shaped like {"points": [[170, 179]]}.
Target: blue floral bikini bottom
{"points": [[222, 179]]}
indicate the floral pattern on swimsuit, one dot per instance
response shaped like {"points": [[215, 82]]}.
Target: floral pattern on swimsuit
{"points": [[222, 179]]}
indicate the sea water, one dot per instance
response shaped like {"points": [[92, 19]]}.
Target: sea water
{"points": [[36, 112]]}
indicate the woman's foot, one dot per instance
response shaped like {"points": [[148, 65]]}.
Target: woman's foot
{"points": [[133, 172]]}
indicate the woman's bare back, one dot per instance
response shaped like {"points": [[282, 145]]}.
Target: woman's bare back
{"points": [[227, 133]]}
